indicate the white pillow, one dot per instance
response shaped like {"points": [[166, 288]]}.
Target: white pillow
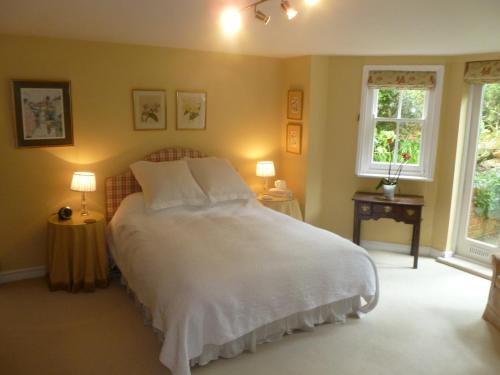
{"points": [[167, 184], [219, 180]]}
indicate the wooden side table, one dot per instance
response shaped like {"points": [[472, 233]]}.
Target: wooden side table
{"points": [[405, 208], [286, 206], [76, 252]]}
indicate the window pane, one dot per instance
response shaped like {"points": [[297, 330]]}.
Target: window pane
{"points": [[384, 141], [412, 105], [490, 114], [387, 105], [410, 135], [484, 218]]}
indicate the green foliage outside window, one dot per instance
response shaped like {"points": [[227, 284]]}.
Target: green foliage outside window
{"points": [[486, 182], [387, 104], [487, 193], [398, 104], [385, 137]]}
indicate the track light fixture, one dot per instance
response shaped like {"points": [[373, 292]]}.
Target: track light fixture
{"points": [[231, 18], [230, 21], [262, 16], [287, 8]]}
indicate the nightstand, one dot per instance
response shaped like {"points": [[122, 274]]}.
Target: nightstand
{"points": [[404, 208], [76, 252], [286, 206]]}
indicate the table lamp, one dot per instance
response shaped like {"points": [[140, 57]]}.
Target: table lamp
{"points": [[83, 182], [265, 169]]}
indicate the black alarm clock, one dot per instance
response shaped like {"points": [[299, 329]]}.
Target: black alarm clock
{"points": [[65, 213]]}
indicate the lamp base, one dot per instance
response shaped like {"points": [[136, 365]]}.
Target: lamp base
{"points": [[84, 211], [266, 184]]}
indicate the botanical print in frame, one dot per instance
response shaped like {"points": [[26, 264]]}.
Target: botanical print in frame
{"points": [[149, 109], [295, 103], [191, 110], [294, 138], [42, 113]]}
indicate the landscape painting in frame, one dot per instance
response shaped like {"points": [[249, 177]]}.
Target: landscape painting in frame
{"points": [[191, 110], [294, 138], [149, 109], [43, 113], [295, 104]]}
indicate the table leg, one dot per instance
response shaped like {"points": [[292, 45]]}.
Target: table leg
{"points": [[415, 243], [356, 232]]}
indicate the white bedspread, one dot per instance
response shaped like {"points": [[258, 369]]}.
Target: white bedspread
{"points": [[211, 275]]}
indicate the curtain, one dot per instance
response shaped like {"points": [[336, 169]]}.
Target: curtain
{"points": [[482, 72], [401, 79]]}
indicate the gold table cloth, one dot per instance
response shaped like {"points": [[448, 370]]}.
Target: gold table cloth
{"points": [[286, 206], [76, 253]]}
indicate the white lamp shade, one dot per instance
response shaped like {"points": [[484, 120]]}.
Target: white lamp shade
{"points": [[265, 169], [83, 181]]}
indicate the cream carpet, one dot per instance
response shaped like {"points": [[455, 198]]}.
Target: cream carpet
{"points": [[428, 322]]}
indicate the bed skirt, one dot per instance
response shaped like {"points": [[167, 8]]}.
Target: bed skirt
{"points": [[335, 312]]}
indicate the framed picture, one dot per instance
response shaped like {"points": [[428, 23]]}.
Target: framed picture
{"points": [[295, 104], [42, 113], [294, 138], [149, 109], [191, 110]]}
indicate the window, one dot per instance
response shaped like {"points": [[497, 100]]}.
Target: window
{"points": [[477, 194], [399, 115]]}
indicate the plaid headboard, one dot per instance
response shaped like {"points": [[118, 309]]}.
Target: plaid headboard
{"points": [[118, 187]]}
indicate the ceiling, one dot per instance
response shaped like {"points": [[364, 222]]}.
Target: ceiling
{"points": [[332, 27]]}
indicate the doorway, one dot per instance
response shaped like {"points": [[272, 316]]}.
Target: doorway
{"points": [[478, 234]]}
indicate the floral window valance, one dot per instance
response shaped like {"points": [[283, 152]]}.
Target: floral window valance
{"points": [[483, 72], [401, 79]]}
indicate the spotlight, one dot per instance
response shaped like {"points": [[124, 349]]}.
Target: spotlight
{"points": [[287, 8], [230, 21], [311, 2], [261, 16]]}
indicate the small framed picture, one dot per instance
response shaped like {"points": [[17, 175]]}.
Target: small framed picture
{"points": [[149, 109], [294, 138], [295, 104], [191, 110], [42, 113]]}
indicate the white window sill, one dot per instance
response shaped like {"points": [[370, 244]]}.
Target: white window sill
{"points": [[463, 264], [408, 178]]}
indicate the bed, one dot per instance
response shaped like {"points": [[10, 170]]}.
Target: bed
{"points": [[217, 280]]}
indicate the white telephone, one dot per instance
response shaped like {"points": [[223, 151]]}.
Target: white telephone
{"points": [[281, 190], [280, 184]]}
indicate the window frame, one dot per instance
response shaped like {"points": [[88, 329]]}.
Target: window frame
{"points": [[365, 166]]}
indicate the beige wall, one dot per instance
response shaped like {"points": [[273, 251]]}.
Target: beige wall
{"points": [[247, 99], [337, 169], [293, 167], [245, 96], [342, 134], [317, 133]]}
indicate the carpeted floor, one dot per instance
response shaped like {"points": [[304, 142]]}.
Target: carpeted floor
{"points": [[428, 322]]}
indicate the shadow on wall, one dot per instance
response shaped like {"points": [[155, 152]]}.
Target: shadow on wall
{"points": [[105, 164]]}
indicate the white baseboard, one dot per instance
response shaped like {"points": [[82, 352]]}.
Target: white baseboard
{"points": [[441, 254], [22, 274], [404, 249]]}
